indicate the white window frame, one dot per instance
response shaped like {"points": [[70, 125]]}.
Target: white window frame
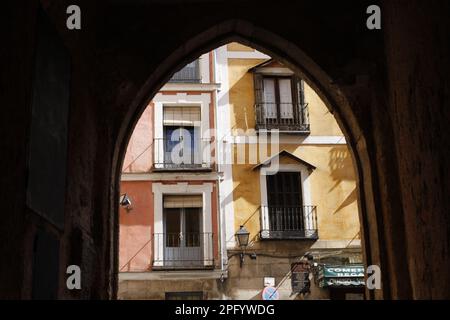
{"points": [[305, 176], [159, 190], [180, 100]]}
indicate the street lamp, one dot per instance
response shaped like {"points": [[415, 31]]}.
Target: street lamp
{"points": [[242, 236]]}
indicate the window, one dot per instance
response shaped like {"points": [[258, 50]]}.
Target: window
{"points": [[189, 74], [183, 220], [285, 216], [181, 145], [182, 225], [284, 190], [183, 244], [280, 103]]}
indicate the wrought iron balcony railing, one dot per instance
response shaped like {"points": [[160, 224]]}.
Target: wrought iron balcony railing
{"points": [[292, 117], [182, 154], [284, 222], [183, 250], [189, 74]]}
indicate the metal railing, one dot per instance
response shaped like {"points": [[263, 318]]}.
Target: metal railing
{"points": [[183, 250], [182, 154], [289, 222], [189, 74], [282, 116]]}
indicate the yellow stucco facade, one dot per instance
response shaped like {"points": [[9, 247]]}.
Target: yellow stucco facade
{"points": [[332, 183]]}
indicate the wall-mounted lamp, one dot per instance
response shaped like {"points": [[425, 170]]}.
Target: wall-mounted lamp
{"points": [[125, 202], [242, 236]]}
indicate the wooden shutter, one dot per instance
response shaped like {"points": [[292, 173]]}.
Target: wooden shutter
{"points": [[258, 84], [183, 201], [297, 90], [299, 96], [181, 116], [284, 189]]}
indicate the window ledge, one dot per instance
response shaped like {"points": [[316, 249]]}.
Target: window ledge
{"points": [[289, 235], [176, 274], [202, 169], [294, 132]]}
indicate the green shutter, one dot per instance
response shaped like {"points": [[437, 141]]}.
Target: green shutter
{"points": [[259, 97], [259, 90], [303, 116], [299, 86]]}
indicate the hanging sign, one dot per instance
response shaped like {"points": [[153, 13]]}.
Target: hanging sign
{"points": [[300, 282]]}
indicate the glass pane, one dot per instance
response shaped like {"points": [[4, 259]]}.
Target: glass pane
{"points": [[286, 108], [270, 106], [192, 227], [173, 227], [182, 141], [188, 150], [291, 183], [271, 190], [196, 145], [171, 140]]}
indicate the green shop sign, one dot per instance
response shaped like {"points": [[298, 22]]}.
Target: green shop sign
{"points": [[337, 276], [343, 271]]}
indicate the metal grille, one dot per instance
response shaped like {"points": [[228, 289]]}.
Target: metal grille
{"points": [[283, 222], [183, 250], [282, 116], [179, 154]]}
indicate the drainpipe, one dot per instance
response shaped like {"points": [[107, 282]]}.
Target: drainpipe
{"points": [[219, 206], [220, 220]]}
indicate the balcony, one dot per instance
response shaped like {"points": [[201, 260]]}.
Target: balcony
{"points": [[289, 223], [182, 154], [183, 251], [286, 117], [189, 74]]}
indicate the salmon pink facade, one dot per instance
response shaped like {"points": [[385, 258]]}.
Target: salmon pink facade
{"points": [[171, 226]]}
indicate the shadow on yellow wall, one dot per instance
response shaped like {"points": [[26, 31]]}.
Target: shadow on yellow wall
{"points": [[244, 114], [340, 164], [241, 93]]}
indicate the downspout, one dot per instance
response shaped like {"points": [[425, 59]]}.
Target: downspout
{"points": [[220, 213]]}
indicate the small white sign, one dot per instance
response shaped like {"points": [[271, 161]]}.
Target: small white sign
{"points": [[269, 282]]}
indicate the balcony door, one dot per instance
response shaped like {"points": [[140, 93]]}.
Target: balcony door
{"points": [[182, 231], [284, 200], [278, 102]]}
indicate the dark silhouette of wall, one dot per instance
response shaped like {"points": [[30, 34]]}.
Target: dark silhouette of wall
{"points": [[388, 89]]}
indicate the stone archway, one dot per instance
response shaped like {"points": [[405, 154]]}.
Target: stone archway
{"points": [[387, 88]]}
